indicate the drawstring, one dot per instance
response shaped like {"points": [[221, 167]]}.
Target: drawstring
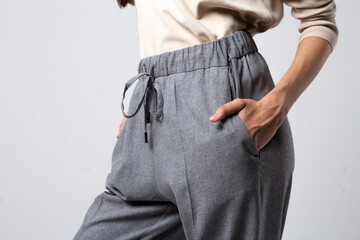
{"points": [[149, 83]]}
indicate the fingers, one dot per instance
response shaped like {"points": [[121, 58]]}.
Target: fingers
{"points": [[231, 107], [121, 125]]}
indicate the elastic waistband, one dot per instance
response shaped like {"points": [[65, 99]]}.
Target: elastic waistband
{"points": [[213, 53]]}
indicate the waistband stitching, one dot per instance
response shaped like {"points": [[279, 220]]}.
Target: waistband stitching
{"points": [[229, 60]]}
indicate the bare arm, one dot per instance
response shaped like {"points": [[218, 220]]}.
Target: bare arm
{"points": [[310, 57]]}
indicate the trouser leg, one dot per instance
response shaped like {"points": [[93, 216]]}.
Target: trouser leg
{"points": [[131, 208], [111, 218], [233, 191]]}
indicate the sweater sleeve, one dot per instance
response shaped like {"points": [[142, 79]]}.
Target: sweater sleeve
{"points": [[317, 19]]}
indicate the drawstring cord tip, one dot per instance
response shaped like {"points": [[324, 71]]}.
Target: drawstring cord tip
{"points": [[146, 138]]}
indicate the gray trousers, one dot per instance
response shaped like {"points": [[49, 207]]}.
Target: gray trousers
{"points": [[175, 175]]}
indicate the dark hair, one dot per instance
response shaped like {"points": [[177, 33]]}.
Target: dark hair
{"points": [[123, 3]]}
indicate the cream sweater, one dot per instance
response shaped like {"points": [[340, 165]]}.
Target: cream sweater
{"points": [[167, 25]]}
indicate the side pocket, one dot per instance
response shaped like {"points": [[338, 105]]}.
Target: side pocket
{"points": [[269, 79], [244, 132], [236, 120], [232, 85]]}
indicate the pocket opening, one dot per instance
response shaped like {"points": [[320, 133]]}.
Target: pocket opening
{"points": [[240, 126]]}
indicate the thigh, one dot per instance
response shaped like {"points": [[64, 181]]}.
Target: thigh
{"points": [[276, 160], [112, 218], [236, 191]]}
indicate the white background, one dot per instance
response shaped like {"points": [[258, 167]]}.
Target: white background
{"points": [[63, 66]]}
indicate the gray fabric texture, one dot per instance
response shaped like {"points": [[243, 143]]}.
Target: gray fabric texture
{"points": [[195, 179]]}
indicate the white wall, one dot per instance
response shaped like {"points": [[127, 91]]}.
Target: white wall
{"points": [[325, 121], [63, 66]]}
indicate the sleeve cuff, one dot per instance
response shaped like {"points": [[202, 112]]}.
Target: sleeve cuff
{"points": [[329, 34]]}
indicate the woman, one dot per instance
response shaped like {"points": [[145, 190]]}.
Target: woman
{"points": [[178, 173]]}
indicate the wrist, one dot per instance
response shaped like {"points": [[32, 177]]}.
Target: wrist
{"points": [[285, 96], [280, 98]]}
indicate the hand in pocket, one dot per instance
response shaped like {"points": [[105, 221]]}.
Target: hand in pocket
{"points": [[122, 125], [261, 118]]}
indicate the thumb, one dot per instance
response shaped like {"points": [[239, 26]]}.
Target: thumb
{"points": [[231, 107]]}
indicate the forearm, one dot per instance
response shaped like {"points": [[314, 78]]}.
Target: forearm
{"points": [[310, 56]]}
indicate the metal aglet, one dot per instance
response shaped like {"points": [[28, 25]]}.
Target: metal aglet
{"points": [[146, 138]]}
